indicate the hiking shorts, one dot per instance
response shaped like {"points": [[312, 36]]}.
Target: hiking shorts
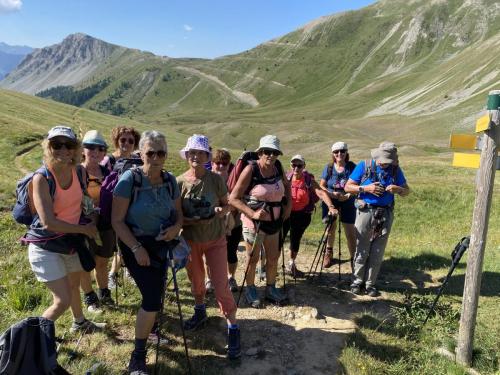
{"points": [[108, 238], [49, 266], [346, 208], [250, 236]]}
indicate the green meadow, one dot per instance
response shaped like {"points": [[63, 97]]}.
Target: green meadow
{"points": [[388, 339]]}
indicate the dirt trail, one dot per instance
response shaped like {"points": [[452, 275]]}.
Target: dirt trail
{"points": [[304, 337]]}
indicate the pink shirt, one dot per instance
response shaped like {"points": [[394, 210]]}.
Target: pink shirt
{"points": [[67, 203]]}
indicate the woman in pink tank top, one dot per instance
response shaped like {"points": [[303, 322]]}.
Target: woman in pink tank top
{"points": [[258, 195], [59, 268]]}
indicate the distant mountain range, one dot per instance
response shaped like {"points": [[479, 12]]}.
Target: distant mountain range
{"points": [[11, 56], [427, 60]]}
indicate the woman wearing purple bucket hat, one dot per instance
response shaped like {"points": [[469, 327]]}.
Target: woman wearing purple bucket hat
{"points": [[204, 204]]}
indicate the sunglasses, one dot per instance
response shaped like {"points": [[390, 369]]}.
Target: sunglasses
{"points": [[222, 163], [130, 141], [299, 166], [269, 152], [340, 151], [94, 147], [160, 153], [55, 145]]}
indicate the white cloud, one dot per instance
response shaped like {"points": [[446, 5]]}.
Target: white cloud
{"points": [[10, 5], [186, 27]]}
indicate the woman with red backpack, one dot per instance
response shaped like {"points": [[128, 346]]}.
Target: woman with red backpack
{"points": [[305, 193]]}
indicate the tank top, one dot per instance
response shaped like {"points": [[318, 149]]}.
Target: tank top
{"points": [[300, 194], [67, 203]]}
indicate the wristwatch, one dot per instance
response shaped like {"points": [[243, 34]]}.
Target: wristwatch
{"points": [[361, 189]]}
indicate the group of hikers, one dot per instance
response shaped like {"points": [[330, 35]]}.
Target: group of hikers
{"points": [[213, 205]]}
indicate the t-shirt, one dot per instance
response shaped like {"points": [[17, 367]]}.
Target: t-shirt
{"points": [[300, 194], [153, 206], [200, 200], [385, 178], [336, 181]]}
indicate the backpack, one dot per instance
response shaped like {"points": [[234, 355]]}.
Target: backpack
{"points": [[250, 158], [29, 347], [370, 172], [108, 186], [313, 198], [22, 212]]}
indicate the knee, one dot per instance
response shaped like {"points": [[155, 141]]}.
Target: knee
{"points": [[62, 301]]}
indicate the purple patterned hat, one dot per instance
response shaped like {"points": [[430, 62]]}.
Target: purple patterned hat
{"points": [[196, 142]]}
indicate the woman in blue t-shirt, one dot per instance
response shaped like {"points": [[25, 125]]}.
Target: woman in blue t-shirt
{"points": [[146, 216], [333, 180]]}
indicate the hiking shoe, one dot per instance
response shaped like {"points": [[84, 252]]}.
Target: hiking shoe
{"points": [[137, 365], [112, 280], [252, 297], [87, 326], [198, 319], [105, 296], [328, 259], [233, 343], [356, 289], [292, 270], [208, 286], [372, 291], [233, 285], [275, 295], [92, 302]]}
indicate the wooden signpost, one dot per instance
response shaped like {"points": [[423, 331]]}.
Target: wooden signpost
{"points": [[487, 162]]}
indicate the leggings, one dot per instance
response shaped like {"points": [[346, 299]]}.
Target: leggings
{"points": [[232, 244], [297, 223]]}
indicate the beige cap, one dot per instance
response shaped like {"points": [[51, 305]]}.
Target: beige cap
{"points": [[298, 157]]}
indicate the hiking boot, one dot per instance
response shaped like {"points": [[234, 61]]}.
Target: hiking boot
{"points": [[112, 280], [293, 271], [105, 296], [328, 259], [252, 297], [87, 326], [233, 343], [137, 365], [233, 285], [356, 289], [372, 292], [275, 295], [92, 302], [209, 287], [198, 319]]}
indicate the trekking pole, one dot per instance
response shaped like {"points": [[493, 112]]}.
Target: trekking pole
{"points": [[339, 244], [321, 242], [456, 255], [160, 315], [181, 319], [257, 228]]}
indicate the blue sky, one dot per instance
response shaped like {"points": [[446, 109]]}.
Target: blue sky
{"points": [[187, 28]]}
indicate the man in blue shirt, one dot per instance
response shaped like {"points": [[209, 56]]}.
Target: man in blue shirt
{"points": [[376, 185]]}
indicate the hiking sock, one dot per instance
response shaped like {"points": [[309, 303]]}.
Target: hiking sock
{"points": [[200, 307]]}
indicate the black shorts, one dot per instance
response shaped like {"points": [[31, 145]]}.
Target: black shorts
{"points": [[346, 208]]}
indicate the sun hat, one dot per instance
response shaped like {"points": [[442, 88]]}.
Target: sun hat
{"points": [[93, 137], [270, 142], [196, 142], [298, 157], [386, 153], [339, 146], [61, 131]]}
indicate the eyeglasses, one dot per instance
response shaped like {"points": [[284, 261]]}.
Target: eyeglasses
{"points": [[299, 166], [341, 151], [94, 147], [55, 145], [269, 152], [130, 141], [160, 153]]}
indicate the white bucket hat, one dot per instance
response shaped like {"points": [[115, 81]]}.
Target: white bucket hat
{"points": [[271, 142], [93, 137], [339, 146], [196, 142]]}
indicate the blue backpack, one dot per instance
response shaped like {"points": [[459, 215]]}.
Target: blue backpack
{"points": [[22, 212]]}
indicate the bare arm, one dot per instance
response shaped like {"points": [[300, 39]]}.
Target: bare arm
{"points": [[401, 190], [325, 197], [45, 210], [375, 188]]}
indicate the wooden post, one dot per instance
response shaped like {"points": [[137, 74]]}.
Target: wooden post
{"points": [[479, 230]]}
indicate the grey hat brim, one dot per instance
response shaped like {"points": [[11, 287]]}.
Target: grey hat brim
{"points": [[384, 156]]}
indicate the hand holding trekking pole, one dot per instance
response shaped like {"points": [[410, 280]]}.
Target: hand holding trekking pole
{"points": [[333, 212]]}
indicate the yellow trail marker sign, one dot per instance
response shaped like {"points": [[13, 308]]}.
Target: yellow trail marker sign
{"points": [[483, 123], [466, 160], [464, 141]]}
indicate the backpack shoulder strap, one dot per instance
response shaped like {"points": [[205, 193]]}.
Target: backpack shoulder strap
{"points": [[137, 183], [330, 171], [81, 172], [168, 179], [44, 171]]}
